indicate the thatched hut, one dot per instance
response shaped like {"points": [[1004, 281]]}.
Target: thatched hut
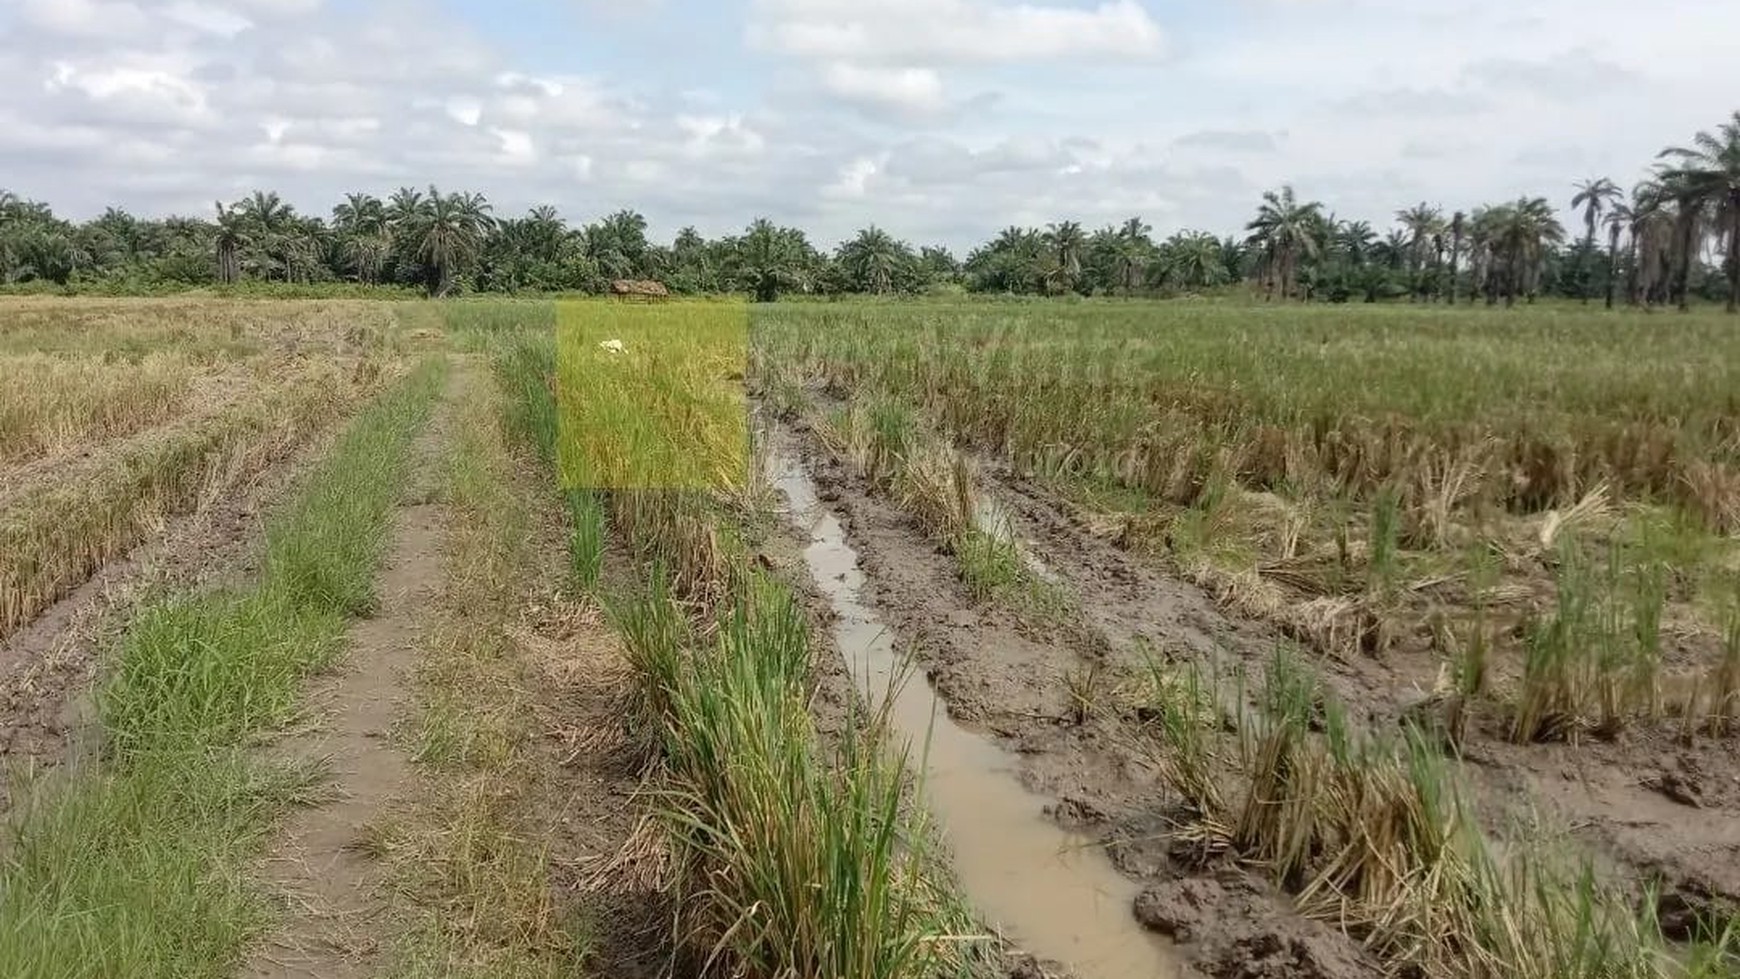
{"points": [[641, 289]]}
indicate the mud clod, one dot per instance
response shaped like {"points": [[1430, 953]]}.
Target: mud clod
{"points": [[1179, 908], [1271, 955], [1682, 789]]}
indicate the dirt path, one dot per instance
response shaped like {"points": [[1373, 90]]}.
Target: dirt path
{"points": [[332, 930]]}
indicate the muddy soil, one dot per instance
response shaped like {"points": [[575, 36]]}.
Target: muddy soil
{"points": [[48, 665], [1649, 807], [1007, 673]]}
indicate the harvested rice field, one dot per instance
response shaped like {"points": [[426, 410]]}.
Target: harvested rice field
{"points": [[877, 640]]}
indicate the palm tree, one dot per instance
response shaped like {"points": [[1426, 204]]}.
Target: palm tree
{"points": [[1707, 175], [229, 241], [1618, 218], [1689, 219], [1518, 236], [1356, 240], [1594, 196], [770, 259], [1067, 240], [304, 246], [1134, 250], [1192, 260], [359, 224], [1285, 231], [1652, 235], [404, 205], [1458, 230], [448, 231], [873, 259], [359, 214], [1423, 223]]}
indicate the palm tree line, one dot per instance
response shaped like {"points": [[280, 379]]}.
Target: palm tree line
{"points": [[1648, 248], [1657, 239]]}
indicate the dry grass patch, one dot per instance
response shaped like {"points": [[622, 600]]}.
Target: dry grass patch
{"points": [[50, 404], [53, 535]]}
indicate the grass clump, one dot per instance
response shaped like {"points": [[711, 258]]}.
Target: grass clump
{"points": [[137, 867], [1593, 664], [1374, 834], [790, 862]]}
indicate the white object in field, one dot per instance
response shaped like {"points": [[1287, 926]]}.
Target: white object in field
{"points": [[613, 346]]}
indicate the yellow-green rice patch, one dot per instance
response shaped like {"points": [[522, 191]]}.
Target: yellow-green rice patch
{"points": [[652, 397]]}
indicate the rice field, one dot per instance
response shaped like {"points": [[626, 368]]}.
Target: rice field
{"points": [[1503, 537], [874, 640]]}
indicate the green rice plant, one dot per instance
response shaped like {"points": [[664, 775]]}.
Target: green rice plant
{"points": [[891, 434], [652, 397], [1374, 834], [989, 565], [1472, 670], [1550, 701], [525, 367], [1276, 822], [1648, 598], [1724, 713], [587, 529], [791, 864], [1083, 686], [1386, 528], [654, 634], [1716, 953], [1187, 709], [1594, 663]]}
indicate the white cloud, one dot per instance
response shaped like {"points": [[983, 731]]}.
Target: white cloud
{"points": [[915, 90], [715, 135], [143, 89], [463, 110], [853, 180], [950, 31], [207, 18], [84, 18], [517, 148]]}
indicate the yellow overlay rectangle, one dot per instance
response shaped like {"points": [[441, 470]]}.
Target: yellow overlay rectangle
{"points": [[652, 396]]}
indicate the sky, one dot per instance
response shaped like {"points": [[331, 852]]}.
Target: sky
{"points": [[941, 121]]}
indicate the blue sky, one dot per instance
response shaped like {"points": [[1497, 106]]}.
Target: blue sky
{"points": [[941, 120]]}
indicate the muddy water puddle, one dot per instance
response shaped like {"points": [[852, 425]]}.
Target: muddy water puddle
{"points": [[1053, 892]]}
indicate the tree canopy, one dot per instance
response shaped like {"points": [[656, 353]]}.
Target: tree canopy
{"points": [[1676, 235]]}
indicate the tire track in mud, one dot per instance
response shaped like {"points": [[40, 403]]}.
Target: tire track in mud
{"points": [[334, 926], [1004, 672]]}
